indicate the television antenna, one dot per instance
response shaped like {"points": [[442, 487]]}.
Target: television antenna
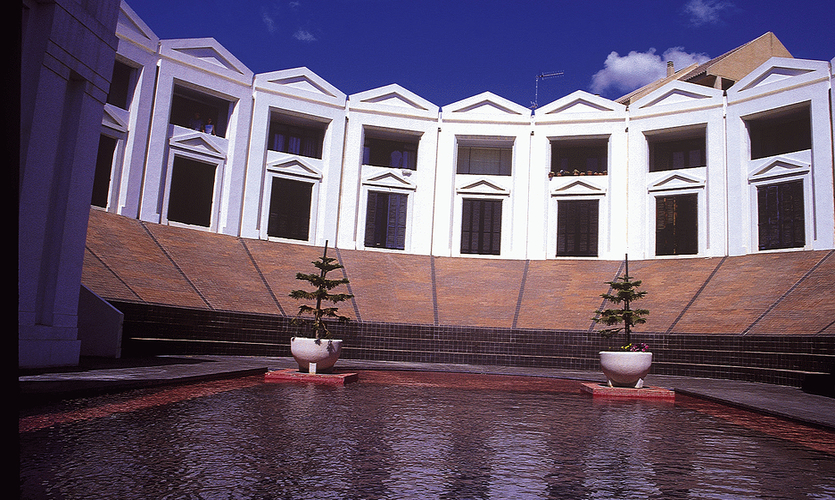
{"points": [[543, 76]]}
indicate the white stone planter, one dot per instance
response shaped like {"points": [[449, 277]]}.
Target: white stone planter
{"points": [[625, 368], [323, 353]]}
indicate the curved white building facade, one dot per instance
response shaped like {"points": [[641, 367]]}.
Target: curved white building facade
{"points": [[681, 169]]}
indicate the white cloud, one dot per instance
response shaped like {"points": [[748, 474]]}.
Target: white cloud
{"points": [[705, 11], [269, 22], [626, 73], [304, 35]]}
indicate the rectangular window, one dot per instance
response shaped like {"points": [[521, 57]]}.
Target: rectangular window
{"points": [[297, 139], [781, 216], [780, 134], [485, 160], [671, 153], [104, 166], [676, 225], [385, 220], [481, 227], [192, 191], [121, 85], [199, 111], [289, 209], [579, 157], [577, 223], [390, 153]]}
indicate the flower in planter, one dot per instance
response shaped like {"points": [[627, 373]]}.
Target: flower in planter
{"points": [[639, 347]]}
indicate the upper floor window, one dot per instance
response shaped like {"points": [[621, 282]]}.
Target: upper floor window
{"points": [[289, 135], [493, 160], [675, 150], [199, 111], [780, 133], [390, 152], [122, 84], [577, 157]]}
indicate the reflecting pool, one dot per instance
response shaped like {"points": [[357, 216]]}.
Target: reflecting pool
{"points": [[413, 435]]}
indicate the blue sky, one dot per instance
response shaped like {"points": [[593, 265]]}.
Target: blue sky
{"points": [[448, 50]]}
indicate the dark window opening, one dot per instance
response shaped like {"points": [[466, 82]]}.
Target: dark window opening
{"points": [[104, 166], [199, 111], [390, 153], [192, 191], [780, 134], [676, 225], [484, 160], [671, 153], [121, 85], [577, 227], [385, 220], [578, 158], [481, 227], [289, 209], [781, 216], [297, 139]]}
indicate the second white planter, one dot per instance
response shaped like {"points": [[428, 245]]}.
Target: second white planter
{"points": [[323, 353], [625, 368]]}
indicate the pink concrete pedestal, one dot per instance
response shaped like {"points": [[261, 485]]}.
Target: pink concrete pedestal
{"points": [[603, 390], [293, 375]]}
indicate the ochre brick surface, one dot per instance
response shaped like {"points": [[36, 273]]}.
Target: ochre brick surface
{"points": [[124, 246], [390, 288], [481, 292], [127, 260], [562, 294]]}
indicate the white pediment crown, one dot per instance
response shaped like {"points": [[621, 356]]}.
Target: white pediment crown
{"points": [[390, 180], [578, 188], [300, 82], [778, 167], [579, 102], [678, 93], [207, 54], [395, 96], [777, 72], [486, 106], [676, 181], [131, 27], [198, 142], [115, 118], [482, 186], [295, 168]]}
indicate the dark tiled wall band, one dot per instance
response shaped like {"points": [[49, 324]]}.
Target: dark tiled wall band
{"points": [[785, 360]]}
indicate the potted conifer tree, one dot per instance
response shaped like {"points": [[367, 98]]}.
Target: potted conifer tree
{"points": [[628, 366], [313, 349]]}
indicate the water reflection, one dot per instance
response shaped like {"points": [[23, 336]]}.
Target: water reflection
{"points": [[443, 439]]}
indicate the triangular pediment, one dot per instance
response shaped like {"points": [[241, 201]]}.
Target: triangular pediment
{"points": [[778, 167], [299, 82], [578, 187], [294, 168], [579, 102], [132, 27], [113, 118], [486, 104], [389, 180], [676, 181], [483, 187], [777, 72], [678, 93], [206, 54], [394, 95], [198, 143]]}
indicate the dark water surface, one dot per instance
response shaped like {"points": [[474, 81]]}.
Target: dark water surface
{"points": [[397, 435]]}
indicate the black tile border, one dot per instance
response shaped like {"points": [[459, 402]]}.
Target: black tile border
{"points": [[775, 359]]}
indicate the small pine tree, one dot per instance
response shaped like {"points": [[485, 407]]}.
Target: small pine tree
{"points": [[623, 291], [317, 327]]}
